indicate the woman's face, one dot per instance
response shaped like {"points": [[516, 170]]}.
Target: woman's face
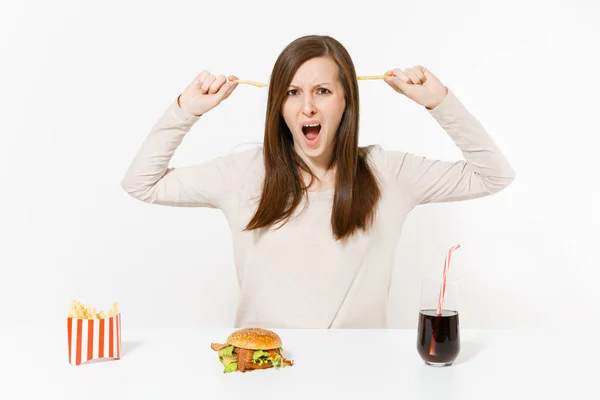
{"points": [[313, 109]]}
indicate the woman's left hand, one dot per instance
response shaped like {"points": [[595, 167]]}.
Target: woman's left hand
{"points": [[419, 85]]}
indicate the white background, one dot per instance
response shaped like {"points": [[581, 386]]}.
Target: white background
{"points": [[82, 83]]}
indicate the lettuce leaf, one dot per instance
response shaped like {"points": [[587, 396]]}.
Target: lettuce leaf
{"points": [[278, 361], [229, 362], [232, 367], [259, 357], [226, 351]]}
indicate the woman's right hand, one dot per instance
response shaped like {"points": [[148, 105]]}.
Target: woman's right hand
{"points": [[206, 92]]}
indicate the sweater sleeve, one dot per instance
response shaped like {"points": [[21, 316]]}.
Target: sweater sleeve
{"points": [[484, 170], [150, 179]]}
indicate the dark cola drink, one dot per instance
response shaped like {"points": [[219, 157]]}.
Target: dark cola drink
{"points": [[438, 337]]}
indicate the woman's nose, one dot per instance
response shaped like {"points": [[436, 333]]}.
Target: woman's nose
{"points": [[309, 107]]}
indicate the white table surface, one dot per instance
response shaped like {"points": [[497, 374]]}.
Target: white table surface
{"points": [[329, 364]]}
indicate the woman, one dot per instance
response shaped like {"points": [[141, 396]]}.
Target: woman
{"points": [[315, 219]]}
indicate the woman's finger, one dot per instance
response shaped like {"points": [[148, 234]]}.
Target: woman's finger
{"points": [[230, 85], [216, 85], [420, 72], [228, 88], [401, 75], [396, 83], [201, 77], [207, 82], [413, 77]]}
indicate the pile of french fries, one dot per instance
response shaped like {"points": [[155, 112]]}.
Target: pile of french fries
{"points": [[80, 310]]}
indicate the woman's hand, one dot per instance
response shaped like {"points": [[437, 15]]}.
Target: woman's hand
{"points": [[206, 92], [419, 85]]}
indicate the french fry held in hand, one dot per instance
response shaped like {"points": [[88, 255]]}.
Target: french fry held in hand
{"points": [[257, 84], [370, 77], [93, 334]]}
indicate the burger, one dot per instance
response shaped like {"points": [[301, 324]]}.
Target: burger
{"points": [[251, 348]]}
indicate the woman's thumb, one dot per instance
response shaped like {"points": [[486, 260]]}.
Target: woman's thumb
{"points": [[397, 83], [229, 86]]}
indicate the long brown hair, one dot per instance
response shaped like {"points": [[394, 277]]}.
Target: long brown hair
{"points": [[356, 188]]}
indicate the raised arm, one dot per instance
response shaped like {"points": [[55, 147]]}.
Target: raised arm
{"points": [[149, 177], [484, 170]]}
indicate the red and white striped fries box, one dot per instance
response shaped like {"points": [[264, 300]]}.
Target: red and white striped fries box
{"points": [[91, 339]]}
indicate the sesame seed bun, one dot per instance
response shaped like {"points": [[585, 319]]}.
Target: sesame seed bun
{"points": [[255, 339]]}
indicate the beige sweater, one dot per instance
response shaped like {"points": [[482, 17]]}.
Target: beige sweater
{"points": [[315, 281]]}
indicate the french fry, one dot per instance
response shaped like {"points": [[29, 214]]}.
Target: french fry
{"points": [[79, 310], [258, 84], [368, 77], [72, 312]]}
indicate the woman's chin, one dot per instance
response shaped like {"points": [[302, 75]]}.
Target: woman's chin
{"points": [[313, 152], [312, 148]]}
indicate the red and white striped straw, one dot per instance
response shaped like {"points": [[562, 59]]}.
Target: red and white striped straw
{"points": [[443, 285]]}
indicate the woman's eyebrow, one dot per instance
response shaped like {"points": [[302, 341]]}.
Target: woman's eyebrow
{"points": [[319, 84]]}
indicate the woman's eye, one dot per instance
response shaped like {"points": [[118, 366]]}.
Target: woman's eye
{"points": [[294, 92]]}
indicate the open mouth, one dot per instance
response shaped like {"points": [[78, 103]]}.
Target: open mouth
{"points": [[311, 133]]}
